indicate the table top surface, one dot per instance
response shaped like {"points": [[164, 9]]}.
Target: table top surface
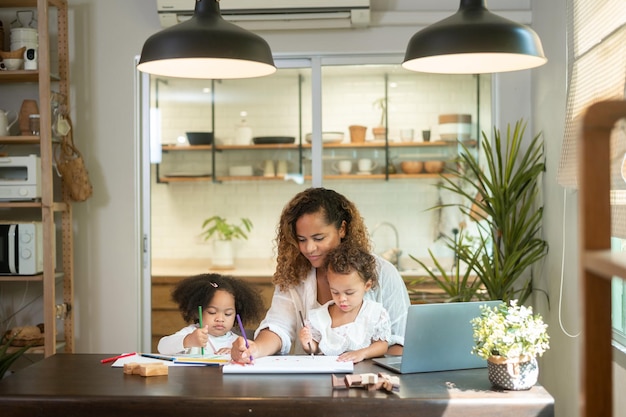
{"points": [[81, 377]]}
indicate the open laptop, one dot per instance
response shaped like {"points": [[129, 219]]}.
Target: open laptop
{"points": [[438, 337]]}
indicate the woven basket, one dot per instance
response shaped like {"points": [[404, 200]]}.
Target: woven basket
{"points": [[16, 54]]}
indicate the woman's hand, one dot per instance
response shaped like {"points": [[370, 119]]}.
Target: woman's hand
{"points": [[305, 337], [242, 354]]}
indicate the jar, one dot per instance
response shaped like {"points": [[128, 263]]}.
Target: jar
{"points": [[34, 123]]}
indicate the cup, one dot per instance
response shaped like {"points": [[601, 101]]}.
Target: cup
{"points": [[343, 167], [366, 165], [426, 135], [281, 168], [406, 135], [268, 168]]}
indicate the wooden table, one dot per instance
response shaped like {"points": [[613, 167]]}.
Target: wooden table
{"points": [[79, 385]]}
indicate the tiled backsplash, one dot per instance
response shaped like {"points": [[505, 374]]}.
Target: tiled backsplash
{"points": [[178, 209]]}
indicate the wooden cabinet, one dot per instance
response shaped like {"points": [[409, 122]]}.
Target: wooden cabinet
{"points": [[49, 82]]}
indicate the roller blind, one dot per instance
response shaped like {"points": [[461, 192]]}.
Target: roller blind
{"points": [[596, 70]]}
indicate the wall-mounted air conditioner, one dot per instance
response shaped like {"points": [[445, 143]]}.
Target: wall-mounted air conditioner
{"points": [[276, 14]]}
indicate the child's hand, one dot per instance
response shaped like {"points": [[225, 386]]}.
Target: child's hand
{"points": [[223, 351], [198, 338], [352, 356]]}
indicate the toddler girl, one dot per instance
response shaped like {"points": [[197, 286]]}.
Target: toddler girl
{"points": [[221, 298], [349, 326]]}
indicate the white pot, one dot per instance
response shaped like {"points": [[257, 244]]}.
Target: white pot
{"points": [[223, 254]]}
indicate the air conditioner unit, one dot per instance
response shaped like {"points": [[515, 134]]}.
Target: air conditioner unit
{"points": [[276, 14]]}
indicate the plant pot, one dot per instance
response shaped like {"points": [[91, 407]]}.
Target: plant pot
{"points": [[380, 132], [513, 374], [357, 133], [223, 254]]}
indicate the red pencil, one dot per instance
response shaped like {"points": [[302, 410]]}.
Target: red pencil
{"points": [[114, 358]]}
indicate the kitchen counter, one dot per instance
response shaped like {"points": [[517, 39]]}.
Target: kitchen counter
{"points": [[252, 270]]}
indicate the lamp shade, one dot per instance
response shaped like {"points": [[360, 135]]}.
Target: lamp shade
{"points": [[474, 41], [206, 46]]}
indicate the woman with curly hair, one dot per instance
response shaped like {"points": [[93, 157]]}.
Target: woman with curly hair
{"points": [[313, 223], [221, 298]]}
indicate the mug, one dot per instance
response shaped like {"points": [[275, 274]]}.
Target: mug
{"points": [[343, 167], [268, 168], [281, 167], [5, 124], [366, 165]]}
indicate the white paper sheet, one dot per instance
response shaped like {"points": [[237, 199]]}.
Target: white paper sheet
{"points": [[293, 364]]}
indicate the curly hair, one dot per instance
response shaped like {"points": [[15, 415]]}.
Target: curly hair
{"points": [[346, 258], [292, 266], [199, 290]]}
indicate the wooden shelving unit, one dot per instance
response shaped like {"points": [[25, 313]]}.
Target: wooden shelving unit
{"points": [[305, 146], [54, 215], [598, 264]]}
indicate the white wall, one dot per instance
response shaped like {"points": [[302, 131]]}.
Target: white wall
{"points": [[107, 35]]}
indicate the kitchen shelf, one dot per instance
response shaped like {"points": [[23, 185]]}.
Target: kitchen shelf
{"points": [[23, 76], [53, 209]]}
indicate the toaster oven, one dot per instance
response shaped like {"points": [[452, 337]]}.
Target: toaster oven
{"points": [[20, 178]]}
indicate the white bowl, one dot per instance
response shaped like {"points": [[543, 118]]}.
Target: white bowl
{"points": [[13, 64]]}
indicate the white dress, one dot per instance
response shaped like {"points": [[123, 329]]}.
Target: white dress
{"points": [[283, 316], [172, 344], [370, 324]]}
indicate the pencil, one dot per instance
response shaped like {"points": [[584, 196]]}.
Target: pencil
{"points": [[200, 323], [114, 358], [243, 333], [304, 325]]}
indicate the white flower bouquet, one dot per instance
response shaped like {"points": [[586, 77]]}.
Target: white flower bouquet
{"points": [[509, 332]]}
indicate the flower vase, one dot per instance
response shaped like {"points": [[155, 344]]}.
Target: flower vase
{"points": [[513, 374], [223, 254]]}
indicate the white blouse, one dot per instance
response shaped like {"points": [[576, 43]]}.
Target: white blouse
{"points": [[172, 344], [371, 324]]}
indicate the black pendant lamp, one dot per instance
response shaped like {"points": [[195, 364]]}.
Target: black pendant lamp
{"points": [[474, 41], [206, 46]]}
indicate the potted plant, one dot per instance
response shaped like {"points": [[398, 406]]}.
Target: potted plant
{"points": [[503, 201], [380, 131], [225, 232], [510, 338], [6, 358]]}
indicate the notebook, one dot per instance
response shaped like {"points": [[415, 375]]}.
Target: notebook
{"points": [[438, 337]]}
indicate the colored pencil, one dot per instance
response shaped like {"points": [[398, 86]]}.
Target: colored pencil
{"points": [[243, 333], [200, 322], [114, 358]]}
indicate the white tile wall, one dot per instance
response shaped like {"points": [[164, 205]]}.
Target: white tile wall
{"points": [[178, 209]]}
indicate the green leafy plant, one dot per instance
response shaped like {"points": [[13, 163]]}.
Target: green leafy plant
{"points": [[459, 287], [224, 230], [503, 200], [509, 331], [7, 359]]}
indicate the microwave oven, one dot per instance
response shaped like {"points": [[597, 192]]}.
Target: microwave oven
{"points": [[20, 178], [21, 248]]}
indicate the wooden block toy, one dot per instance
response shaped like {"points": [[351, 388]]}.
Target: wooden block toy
{"points": [[131, 368], [153, 369]]}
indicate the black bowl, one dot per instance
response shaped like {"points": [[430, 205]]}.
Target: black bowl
{"points": [[200, 138]]}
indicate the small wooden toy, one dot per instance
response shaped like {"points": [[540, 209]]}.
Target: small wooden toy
{"points": [[370, 381], [145, 369]]}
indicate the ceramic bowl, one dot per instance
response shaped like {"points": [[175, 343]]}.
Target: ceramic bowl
{"points": [[411, 167], [13, 64], [433, 167], [200, 138]]}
